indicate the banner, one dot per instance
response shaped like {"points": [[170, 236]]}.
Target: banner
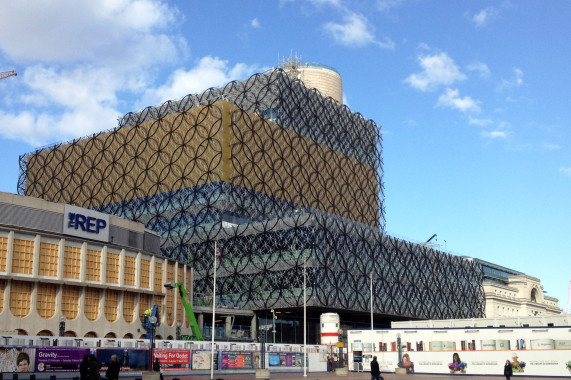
{"points": [[59, 359], [237, 359], [130, 359], [173, 360], [285, 360], [17, 359], [202, 359]]}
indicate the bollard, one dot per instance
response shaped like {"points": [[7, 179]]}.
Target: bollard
{"points": [[33, 376], [15, 376], [53, 377], [76, 378]]}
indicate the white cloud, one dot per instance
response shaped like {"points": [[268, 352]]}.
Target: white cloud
{"points": [[438, 70], [210, 72], [494, 134], [550, 146], [68, 31], [356, 32], [387, 5], [481, 68], [60, 104], [63, 104], [451, 98], [485, 16], [565, 170], [255, 23], [480, 122], [515, 81]]}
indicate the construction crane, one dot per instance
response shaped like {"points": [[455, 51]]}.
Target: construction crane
{"points": [[7, 74], [197, 335]]}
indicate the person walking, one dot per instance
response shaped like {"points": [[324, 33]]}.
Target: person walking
{"points": [[93, 368], [84, 368], [157, 367], [508, 370], [375, 370], [113, 369]]}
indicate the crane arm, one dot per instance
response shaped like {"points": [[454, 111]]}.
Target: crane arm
{"points": [[7, 74], [189, 311]]}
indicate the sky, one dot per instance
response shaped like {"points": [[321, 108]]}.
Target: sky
{"points": [[473, 98]]}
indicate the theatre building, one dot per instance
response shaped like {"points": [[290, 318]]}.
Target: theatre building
{"points": [[74, 272]]}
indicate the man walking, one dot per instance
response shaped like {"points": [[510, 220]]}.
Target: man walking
{"points": [[375, 370], [113, 369]]}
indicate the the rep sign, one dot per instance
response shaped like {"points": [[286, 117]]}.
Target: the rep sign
{"points": [[85, 223]]}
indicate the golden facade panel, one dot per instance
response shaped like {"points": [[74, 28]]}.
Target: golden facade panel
{"points": [[158, 285], [2, 294], [3, 253], [93, 267], [111, 304], [129, 306], [129, 270], [46, 301], [23, 260], [70, 301], [91, 300], [145, 274], [113, 267], [20, 298], [71, 262], [49, 255]]}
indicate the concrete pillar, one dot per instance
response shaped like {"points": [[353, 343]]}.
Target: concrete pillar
{"points": [[200, 321], [254, 328], [228, 326]]}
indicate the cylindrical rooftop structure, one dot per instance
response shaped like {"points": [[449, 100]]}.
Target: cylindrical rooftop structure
{"points": [[315, 75]]}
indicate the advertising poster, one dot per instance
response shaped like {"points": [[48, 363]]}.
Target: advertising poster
{"points": [[59, 359], [201, 359], [17, 359], [285, 360], [173, 360], [130, 360], [237, 359]]}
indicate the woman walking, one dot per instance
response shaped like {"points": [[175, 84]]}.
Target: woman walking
{"points": [[508, 370]]}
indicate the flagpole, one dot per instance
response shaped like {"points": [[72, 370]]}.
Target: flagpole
{"points": [[304, 320], [213, 317]]}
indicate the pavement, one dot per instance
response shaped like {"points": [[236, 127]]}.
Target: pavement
{"points": [[349, 376]]}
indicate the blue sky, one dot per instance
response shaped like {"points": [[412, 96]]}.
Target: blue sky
{"points": [[473, 98]]}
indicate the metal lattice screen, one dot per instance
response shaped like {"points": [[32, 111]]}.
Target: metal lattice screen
{"points": [[277, 174]]}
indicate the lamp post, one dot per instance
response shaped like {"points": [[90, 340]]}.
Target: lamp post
{"points": [[274, 324], [62, 325], [153, 321], [178, 326]]}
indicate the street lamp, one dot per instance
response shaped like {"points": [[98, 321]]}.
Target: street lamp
{"points": [[178, 325], [153, 320], [274, 324], [62, 325]]}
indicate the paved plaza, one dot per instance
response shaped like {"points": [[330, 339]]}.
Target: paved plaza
{"points": [[350, 376]]}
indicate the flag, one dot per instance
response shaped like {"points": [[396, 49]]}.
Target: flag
{"points": [[219, 254]]}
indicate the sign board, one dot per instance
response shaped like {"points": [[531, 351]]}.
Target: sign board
{"points": [[84, 223]]}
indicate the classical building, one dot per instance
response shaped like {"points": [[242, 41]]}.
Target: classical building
{"points": [[510, 293], [287, 182]]}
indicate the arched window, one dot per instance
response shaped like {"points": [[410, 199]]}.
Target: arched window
{"points": [[534, 295]]}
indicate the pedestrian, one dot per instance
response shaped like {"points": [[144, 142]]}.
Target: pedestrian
{"points": [[375, 370], [508, 370], [84, 368], [157, 367], [93, 368], [113, 369]]}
